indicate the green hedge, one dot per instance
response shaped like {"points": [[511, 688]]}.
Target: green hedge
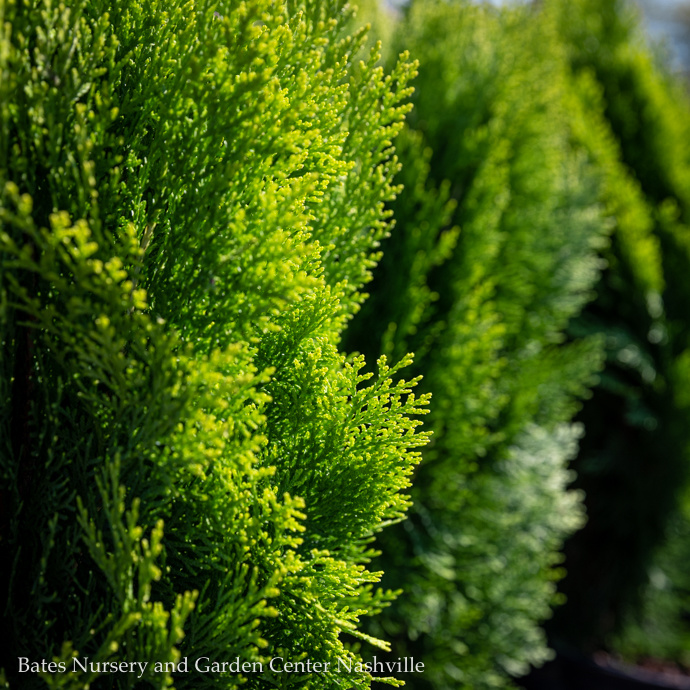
{"points": [[192, 195], [494, 148], [527, 121], [635, 456]]}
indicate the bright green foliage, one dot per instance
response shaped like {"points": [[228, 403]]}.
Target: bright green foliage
{"points": [[493, 150], [192, 195], [637, 444]]}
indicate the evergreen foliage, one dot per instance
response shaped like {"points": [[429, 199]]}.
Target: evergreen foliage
{"points": [[192, 195], [636, 452], [493, 148]]}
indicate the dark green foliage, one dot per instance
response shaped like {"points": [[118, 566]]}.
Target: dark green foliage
{"points": [[192, 198], [493, 149], [660, 628], [636, 450]]}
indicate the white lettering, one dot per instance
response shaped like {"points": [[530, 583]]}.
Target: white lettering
{"points": [[345, 663], [76, 662]]}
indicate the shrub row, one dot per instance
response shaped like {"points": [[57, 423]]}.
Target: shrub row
{"points": [[528, 128], [636, 452], [492, 148], [193, 197]]}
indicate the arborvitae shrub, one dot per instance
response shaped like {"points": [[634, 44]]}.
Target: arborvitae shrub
{"points": [[192, 195], [492, 149], [635, 456]]}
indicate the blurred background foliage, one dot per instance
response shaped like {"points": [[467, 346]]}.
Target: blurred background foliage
{"points": [[539, 269]]}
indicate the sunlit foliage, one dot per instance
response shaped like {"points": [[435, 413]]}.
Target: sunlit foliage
{"points": [[191, 198]]}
